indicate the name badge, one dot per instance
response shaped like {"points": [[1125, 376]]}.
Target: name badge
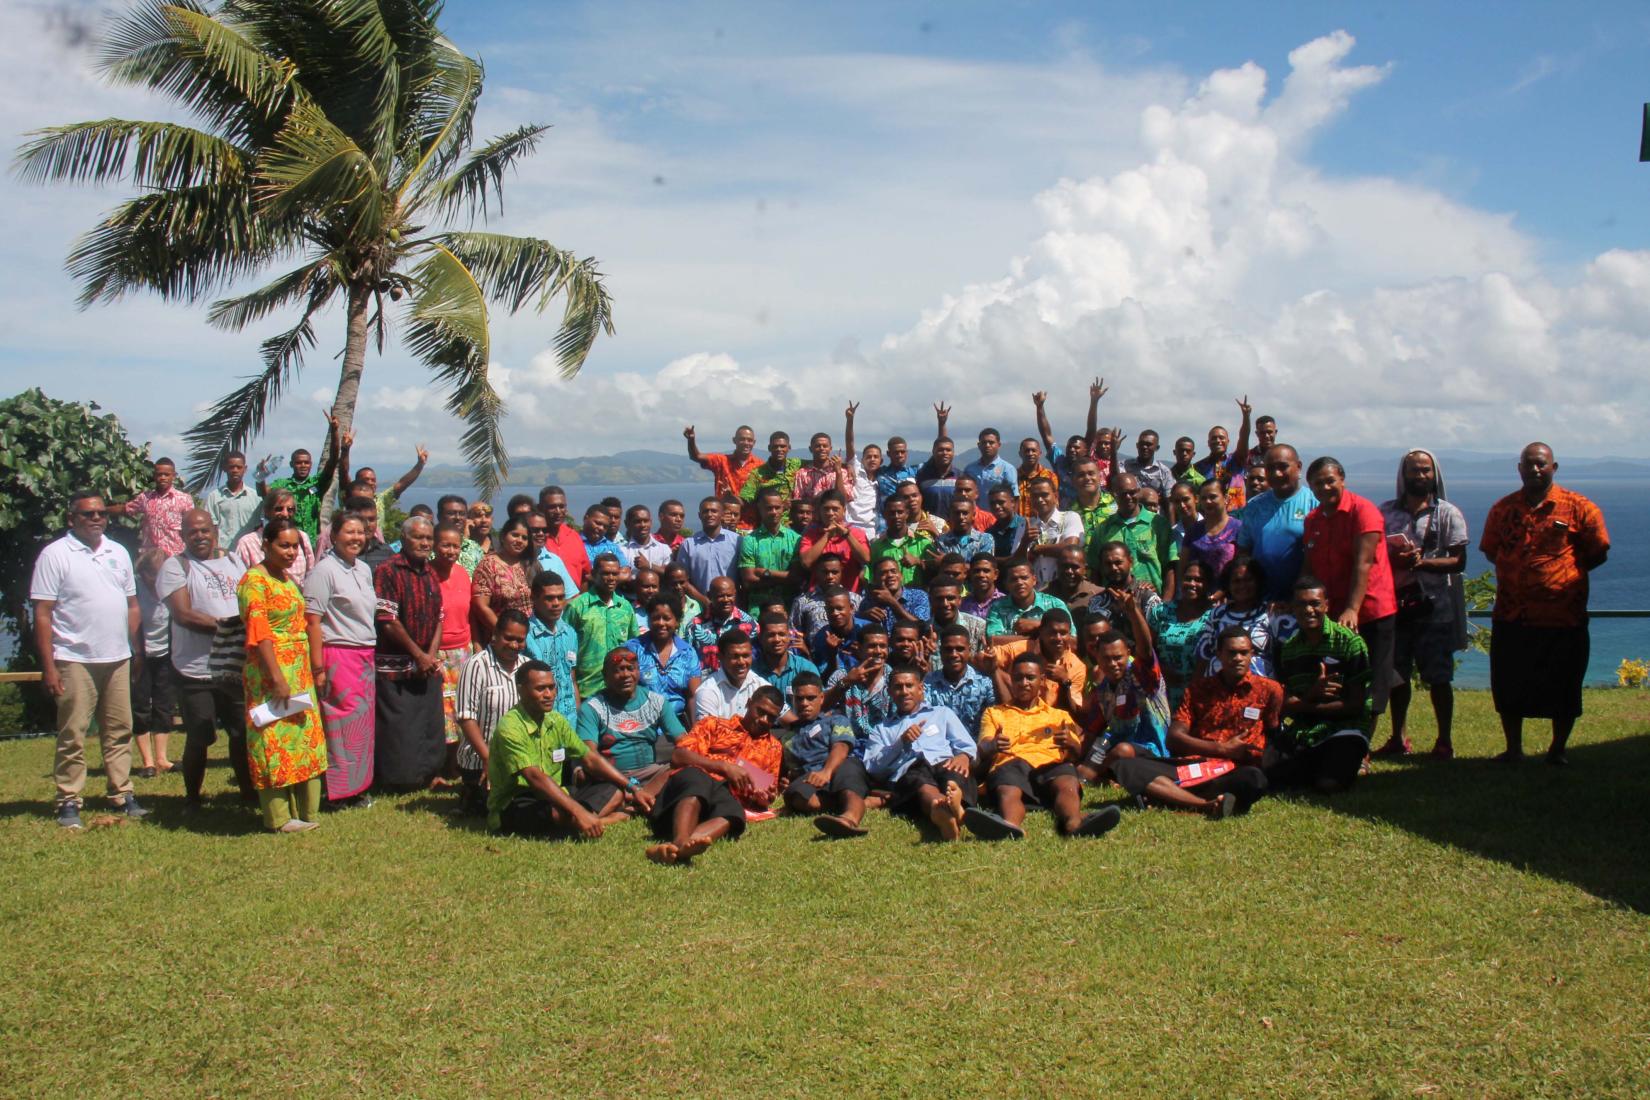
{"points": [[571, 657], [1251, 712], [1122, 699], [558, 755]]}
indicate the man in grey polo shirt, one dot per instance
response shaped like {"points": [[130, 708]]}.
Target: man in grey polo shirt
{"points": [[86, 624], [198, 587]]}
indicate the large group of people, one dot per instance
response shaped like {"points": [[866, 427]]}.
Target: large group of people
{"points": [[958, 642]]}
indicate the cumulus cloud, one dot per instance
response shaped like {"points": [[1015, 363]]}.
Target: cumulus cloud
{"points": [[1224, 262]]}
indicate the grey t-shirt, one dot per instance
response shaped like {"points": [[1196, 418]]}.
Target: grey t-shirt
{"points": [[212, 585], [345, 599], [1439, 530]]}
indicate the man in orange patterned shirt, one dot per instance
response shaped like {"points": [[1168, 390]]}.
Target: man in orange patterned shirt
{"points": [[1543, 540], [724, 766], [1221, 723]]}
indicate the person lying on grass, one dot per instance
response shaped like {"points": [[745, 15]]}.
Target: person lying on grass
{"points": [[1218, 737], [532, 752], [1128, 706], [628, 725], [825, 778], [1029, 746], [724, 766], [925, 754]]}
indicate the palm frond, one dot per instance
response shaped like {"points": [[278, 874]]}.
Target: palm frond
{"points": [[240, 415], [517, 270], [447, 329], [466, 190], [443, 89], [315, 169], [234, 314], [363, 22], [205, 63], [183, 243], [153, 154]]}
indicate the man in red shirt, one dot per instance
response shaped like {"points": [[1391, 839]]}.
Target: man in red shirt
{"points": [[1345, 539], [1218, 737], [564, 540], [1544, 541], [724, 767]]}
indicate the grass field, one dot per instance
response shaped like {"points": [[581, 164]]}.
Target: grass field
{"points": [[1457, 929]]}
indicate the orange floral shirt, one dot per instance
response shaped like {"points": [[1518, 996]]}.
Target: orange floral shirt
{"points": [[1214, 712], [1538, 554], [727, 739]]}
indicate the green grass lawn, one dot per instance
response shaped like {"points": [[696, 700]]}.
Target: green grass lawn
{"points": [[1457, 929]]}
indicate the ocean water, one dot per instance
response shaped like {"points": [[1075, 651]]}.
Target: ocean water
{"points": [[1622, 583]]}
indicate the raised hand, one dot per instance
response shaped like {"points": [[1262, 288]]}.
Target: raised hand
{"points": [[687, 433], [942, 411], [1243, 405], [423, 453], [1098, 389], [853, 407], [1039, 398]]}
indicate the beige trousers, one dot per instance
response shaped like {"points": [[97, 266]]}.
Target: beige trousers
{"points": [[106, 691]]}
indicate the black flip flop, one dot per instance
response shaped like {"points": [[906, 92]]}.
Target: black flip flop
{"points": [[1099, 823], [988, 826], [837, 827], [1228, 807]]}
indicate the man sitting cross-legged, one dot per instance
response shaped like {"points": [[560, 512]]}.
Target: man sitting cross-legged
{"points": [[1218, 736], [826, 779], [629, 726], [530, 756], [1030, 747], [925, 754], [724, 766]]}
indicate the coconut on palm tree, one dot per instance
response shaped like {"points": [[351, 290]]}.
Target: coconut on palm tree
{"points": [[336, 134]]}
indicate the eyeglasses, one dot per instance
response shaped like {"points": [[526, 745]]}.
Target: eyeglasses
{"points": [[91, 513], [481, 513]]}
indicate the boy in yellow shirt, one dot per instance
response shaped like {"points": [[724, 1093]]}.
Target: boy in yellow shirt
{"points": [[1029, 748]]}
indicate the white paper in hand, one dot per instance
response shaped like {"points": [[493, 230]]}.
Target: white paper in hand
{"points": [[268, 713]]}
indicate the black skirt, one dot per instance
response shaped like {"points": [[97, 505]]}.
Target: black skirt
{"points": [[411, 742], [1537, 671]]}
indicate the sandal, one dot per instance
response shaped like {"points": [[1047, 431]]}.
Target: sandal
{"points": [[1396, 746]]}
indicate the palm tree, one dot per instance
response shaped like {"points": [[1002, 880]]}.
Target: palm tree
{"points": [[334, 133]]}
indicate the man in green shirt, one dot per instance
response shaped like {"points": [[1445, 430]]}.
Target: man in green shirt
{"points": [[1091, 502], [1326, 714], [1147, 535], [603, 620], [766, 556], [308, 487], [900, 543], [778, 472], [1019, 612], [528, 767]]}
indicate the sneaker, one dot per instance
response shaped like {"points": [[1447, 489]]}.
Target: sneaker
{"points": [[68, 816], [131, 809]]}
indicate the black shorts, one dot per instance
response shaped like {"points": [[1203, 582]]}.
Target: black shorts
{"points": [[1037, 784], [713, 793], [1247, 782], [1427, 648], [923, 774], [1336, 760], [530, 815], [1537, 671], [849, 778]]}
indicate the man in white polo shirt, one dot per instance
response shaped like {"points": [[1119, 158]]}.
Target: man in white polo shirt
{"points": [[86, 626], [727, 691]]}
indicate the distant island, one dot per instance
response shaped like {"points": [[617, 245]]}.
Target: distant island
{"points": [[657, 467], [624, 468]]}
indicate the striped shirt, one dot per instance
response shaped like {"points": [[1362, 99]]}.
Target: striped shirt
{"points": [[486, 690]]}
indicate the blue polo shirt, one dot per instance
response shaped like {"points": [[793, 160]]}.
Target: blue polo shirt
{"points": [[1274, 531]]}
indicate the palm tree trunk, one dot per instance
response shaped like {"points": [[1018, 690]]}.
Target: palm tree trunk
{"points": [[349, 379]]}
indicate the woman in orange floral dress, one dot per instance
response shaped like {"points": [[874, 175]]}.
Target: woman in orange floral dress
{"points": [[289, 756]]}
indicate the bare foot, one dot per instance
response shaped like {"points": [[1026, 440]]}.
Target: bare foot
{"points": [[695, 845], [663, 853], [954, 799], [945, 822]]}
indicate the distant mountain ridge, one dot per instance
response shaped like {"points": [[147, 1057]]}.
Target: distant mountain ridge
{"points": [[647, 467]]}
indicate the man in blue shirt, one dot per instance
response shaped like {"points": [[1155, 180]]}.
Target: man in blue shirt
{"points": [[598, 540], [958, 685], [898, 469], [1274, 524], [554, 642], [925, 753], [708, 554], [991, 470], [777, 661], [819, 760]]}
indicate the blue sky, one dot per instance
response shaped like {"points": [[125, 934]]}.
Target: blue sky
{"points": [[1440, 213]]}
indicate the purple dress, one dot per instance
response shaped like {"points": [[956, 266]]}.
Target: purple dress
{"points": [[1214, 551]]}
